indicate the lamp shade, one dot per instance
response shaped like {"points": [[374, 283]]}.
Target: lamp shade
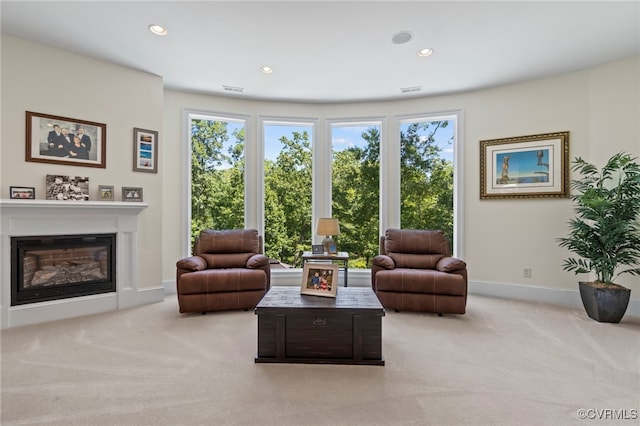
{"points": [[327, 226]]}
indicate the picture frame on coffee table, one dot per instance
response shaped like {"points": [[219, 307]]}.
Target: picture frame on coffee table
{"points": [[320, 279]]}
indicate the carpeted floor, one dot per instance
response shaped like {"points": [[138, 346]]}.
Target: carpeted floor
{"points": [[503, 363]]}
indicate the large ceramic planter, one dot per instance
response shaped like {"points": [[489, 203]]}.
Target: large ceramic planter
{"points": [[606, 304]]}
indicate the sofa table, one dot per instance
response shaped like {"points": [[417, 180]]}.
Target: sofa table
{"points": [[298, 328]]}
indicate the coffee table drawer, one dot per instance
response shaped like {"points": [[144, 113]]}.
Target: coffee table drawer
{"points": [[319, 321]]}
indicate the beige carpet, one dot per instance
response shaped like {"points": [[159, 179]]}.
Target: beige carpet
{"points": [[503, 363]]}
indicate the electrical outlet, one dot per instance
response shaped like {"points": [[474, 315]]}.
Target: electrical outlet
{"points": [[526, 273]]}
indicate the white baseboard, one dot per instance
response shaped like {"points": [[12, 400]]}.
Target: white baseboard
{"points": [[147, 296], [169, 287], [34, 313], [553, 296]]}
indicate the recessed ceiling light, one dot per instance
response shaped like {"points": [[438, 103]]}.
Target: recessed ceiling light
{"points": [[402, 37], [157, 29], [266, 70], [425, 52]]}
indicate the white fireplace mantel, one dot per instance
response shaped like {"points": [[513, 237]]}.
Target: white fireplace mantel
{"points": [[49, 217]]}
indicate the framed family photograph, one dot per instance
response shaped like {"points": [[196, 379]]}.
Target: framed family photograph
{"points": [[22, 192], [63, 140], [145, 150], [105, 193], [131, 193], [320, 279], [534, 166]]}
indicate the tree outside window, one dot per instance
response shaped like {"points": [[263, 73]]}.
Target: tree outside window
{"points": [[217, 174], [355, 182], [287, 192], [426, 175]]}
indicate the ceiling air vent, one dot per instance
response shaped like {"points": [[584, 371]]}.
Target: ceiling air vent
{"points": [[411, 89], [233, 89]]}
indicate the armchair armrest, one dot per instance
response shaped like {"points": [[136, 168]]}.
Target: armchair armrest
{"points": [[384, 262], [192, 263], [257, 261], [450, 264]]}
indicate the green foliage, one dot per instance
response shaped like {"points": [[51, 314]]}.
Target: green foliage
{"points": [[605, 234], [355, 198], [288, 200], [426, 180], [217, 186], [217, 177]]}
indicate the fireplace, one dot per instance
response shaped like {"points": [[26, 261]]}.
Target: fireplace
{"points": [[53, 267], [51, 219]]}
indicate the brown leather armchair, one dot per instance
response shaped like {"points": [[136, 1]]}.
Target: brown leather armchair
{"points": [[415, 272], [227, 271]]}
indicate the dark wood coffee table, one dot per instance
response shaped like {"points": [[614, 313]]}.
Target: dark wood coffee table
{"points": [[299, 328]]}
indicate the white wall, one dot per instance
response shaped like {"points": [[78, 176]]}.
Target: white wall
{"points": [[52, 81], [600, 108]]}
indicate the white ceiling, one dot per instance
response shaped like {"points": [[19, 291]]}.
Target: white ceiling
{"points": [[328, 51]]}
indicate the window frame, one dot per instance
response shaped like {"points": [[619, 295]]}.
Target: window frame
{"points": [[457, 116], [321, 169], [187, 116]]}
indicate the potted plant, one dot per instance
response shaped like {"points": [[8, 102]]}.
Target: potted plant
{"points": [[605, 234]]}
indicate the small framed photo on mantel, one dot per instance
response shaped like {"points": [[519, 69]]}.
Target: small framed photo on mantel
{"points": [[22, 193], [131, 193], [105, 192]]}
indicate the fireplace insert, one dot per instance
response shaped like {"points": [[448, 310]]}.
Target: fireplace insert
{"points": [[48, 267]]}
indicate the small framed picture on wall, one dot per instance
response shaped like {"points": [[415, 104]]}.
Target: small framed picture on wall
{"points": [[145, 150]]}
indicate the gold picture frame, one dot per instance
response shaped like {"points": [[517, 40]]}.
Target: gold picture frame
{"points": [[533, 166], [320, 279]]}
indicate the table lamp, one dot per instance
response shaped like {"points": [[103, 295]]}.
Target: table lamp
{"points": [[328, 227]]}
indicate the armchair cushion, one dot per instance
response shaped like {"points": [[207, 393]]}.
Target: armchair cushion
{"points": [[384, 261], [450, 264], [413, 248], [257, 261], [228, 241], [226, 260], [416, 241], [192, 263]]}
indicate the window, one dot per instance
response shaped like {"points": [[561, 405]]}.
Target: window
{"points": [[427, 174], [284, 178], [287, 190], [355, 183], [217, 173]]}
